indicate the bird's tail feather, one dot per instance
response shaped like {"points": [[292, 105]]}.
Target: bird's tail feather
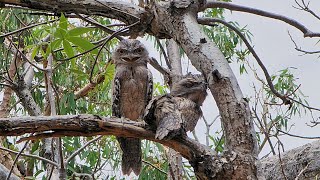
{"points": [[131, 155]]}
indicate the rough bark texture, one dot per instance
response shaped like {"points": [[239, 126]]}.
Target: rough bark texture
{"points": [[206, 164], [208, 59], [301, 163], [174, 158]]}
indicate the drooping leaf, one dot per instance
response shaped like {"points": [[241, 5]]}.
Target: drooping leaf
{"points": [[79, 31], [83, 43]]}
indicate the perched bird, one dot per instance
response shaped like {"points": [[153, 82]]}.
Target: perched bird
{"points": [[132, 90], [176, 113]]}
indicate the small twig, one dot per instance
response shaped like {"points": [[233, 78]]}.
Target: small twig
{"points": [[164, 54], [281, 163], [299, 49], [154, 63], [297, 136], [101, 26], [24, 57], [27, 27], [195, 135], [263, 130], [80, 149], [306, 106], [305, 7], [109, 38], [150, 164], [31, 156], [80, 54], [208, 125], [16, 159], [303, 170]]}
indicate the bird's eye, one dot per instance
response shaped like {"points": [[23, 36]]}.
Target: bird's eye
{"points": [[188, 85], [121, 51], [139, 50]]}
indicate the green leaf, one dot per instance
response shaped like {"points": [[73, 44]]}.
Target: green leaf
{"points": [[56, 44], [68, 49], [83, 43], [34, 52], [109, 73], [63, 23], [60, 33], [79, 31]]}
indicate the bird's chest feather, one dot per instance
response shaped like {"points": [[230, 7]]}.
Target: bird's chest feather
{"points": [[133, 91]]}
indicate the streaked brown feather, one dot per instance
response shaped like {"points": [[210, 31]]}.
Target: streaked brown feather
{"points": [[131, 93], [175, 113]]}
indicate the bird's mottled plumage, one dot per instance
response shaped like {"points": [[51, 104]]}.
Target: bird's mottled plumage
{"points": [[175, 113], [132, 90]]}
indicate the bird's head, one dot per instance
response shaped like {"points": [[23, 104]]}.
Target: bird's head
{"points": [[130, 51], [192, 87]]}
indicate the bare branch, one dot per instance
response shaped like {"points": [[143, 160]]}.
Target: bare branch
{"points": [[129, 13], [27, 27], [234, 7], [154, 63], [31, 156], [90, 125], [16, 159], [80, 149], [299, 49], [150, 164], [297, 136], [101, 26], [210, 21], [164, 54], [305, 7]]}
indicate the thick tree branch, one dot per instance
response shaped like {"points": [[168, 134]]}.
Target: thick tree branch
{"points": [[200, 156], [234, 7], [120, 10]]}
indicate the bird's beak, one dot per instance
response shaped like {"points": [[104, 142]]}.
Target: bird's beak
{"points": [[130, 58]]}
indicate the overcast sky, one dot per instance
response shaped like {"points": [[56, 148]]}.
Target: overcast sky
{"points": [[276, 50], [272, 43]]}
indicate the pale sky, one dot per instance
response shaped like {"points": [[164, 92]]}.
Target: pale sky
{"points": [[274, 47]]}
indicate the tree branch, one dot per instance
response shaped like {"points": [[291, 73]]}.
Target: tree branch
{"points": [[129, 13], [210, 21], [234, 7], [27, 27]]}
